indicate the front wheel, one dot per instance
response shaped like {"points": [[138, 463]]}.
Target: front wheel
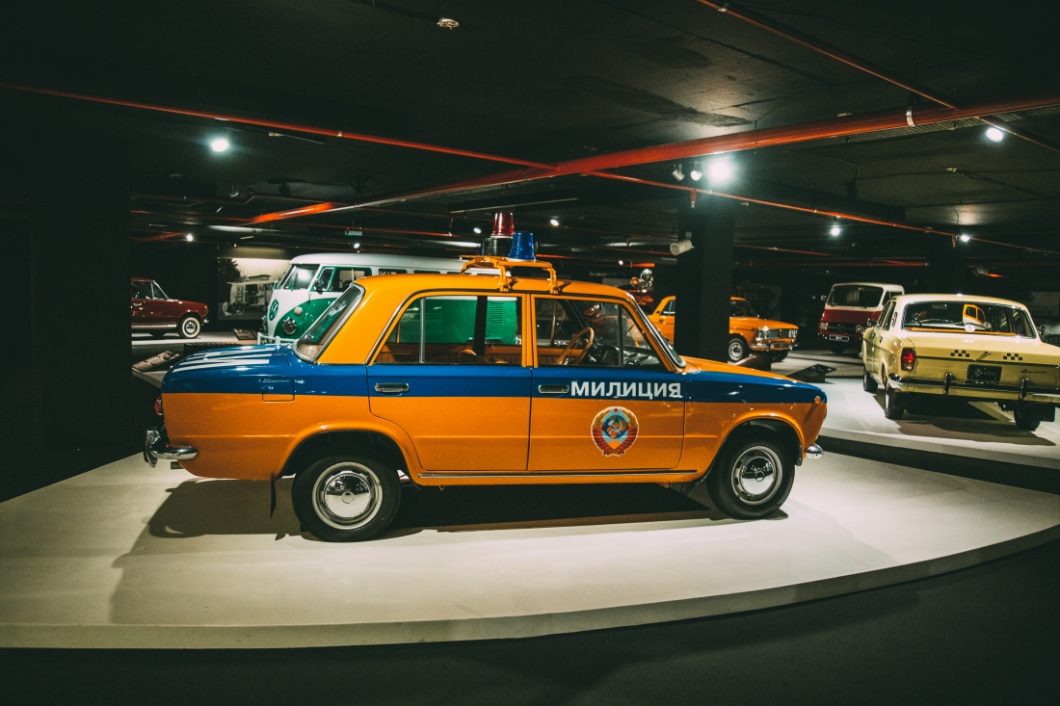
{"points": [[346, 498], [752, 477], [737, 349], [189, 327]]}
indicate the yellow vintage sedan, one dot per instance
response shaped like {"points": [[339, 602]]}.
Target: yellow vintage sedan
{"points": [[964, 346], [491, 377]]}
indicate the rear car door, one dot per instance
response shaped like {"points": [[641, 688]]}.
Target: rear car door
{"points": [[451, 373]]}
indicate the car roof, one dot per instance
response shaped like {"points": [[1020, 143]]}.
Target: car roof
{"points": [[884, 285], [968, 298], [485, 282], [367, 259]]}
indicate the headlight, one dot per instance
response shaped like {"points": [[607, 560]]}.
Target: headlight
{"points": [[824, 325], [288, 326]]}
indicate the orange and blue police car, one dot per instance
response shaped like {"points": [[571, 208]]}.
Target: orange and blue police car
{"points": [[504, 374]]}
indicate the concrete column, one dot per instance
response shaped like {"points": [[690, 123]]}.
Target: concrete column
{"points": [[947, 268], [704, 277], [69, 323]]}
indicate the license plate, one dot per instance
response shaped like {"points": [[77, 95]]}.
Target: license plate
{"points": [[984, 374]]}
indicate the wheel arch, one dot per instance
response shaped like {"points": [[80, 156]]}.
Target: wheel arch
{"points": [[781, 428], [375, 442]]}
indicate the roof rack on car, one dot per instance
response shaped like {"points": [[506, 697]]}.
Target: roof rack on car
{"points": [[503, 267]]}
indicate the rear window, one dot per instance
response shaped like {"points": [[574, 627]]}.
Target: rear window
{"points": [[855, 295], [969, 317]]}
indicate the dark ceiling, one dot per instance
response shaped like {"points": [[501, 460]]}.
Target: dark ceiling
{"points": [[531, 85]]}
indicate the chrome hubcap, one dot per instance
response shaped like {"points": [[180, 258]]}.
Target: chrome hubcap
{"points": [[756, 475], [347, 495], [735, 351]]}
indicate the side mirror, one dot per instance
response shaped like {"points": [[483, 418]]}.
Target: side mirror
{"points": [[318, 287]]}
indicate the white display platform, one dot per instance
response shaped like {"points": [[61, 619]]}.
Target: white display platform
{"points": [[978, 430], [126, 556]]}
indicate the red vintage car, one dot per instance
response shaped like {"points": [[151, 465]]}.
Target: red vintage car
{"points": [[154, 312]]}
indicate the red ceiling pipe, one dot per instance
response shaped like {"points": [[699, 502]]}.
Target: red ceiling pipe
{"points": [[753, 139], [819, 47], [277, 125]]}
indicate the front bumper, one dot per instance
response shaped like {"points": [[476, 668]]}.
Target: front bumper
{"points": [[156, 446], [766, 345], [951, 388]]}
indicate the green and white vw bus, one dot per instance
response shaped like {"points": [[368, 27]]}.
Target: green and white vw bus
{"points": [[314, 281]]}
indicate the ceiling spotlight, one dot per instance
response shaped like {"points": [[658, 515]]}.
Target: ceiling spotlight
{"points": [[720, 171], [220, 144], [678, 173], [447, 23], [964, 237], [995, 134], [621, 263], [477, 230], [189, 237], [357, 245], [554, 222], [681, 246], [696, 174], [835, 230]]}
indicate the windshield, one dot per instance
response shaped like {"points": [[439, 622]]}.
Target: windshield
{"points": [[741, 307], [857, 295], [298, 277], [969, 317], [324, 328]]}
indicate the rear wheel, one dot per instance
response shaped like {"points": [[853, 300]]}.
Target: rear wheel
{"points": [[189, 326], [752, 476], [892, 404], [1027, 417], [737, 349], [868, 383], [346, 498]]}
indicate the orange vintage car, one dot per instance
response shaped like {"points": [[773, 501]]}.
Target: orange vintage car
{"points": [[747, 331], [481, 379]]}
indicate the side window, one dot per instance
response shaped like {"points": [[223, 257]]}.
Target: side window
{"points": [[590, 333], [156, 292], [671, 308], [391, 271], [456, 330], [886, 316], [141, 290]]}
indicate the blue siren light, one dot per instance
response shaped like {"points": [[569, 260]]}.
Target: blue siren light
{"points": [[522, 246]]}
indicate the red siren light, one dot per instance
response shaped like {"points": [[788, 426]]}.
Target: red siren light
{"points": [[503, 223]]}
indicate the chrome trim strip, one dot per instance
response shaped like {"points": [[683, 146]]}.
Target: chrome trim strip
{"points": [[551, 474]]}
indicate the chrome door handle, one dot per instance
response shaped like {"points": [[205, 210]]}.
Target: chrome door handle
{"points": [[391, 388], [553, 389]]}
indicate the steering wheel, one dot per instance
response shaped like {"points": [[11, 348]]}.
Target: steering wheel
{"points": [[587, 335]]}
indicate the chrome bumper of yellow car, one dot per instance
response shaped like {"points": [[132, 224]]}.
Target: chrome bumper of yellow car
{"points": [[958, 389]]}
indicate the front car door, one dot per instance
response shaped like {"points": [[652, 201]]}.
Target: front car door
{"points": [[603, 400], [451, 373]]}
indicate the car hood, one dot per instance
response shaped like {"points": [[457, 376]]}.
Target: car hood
{"points": [[978, 347], [733, 383], [755, 322]]}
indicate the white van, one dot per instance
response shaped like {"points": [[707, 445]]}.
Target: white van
{"points": [[314, 281]]}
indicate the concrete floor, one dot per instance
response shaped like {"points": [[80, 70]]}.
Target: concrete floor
{"points": [[127, 556]]}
